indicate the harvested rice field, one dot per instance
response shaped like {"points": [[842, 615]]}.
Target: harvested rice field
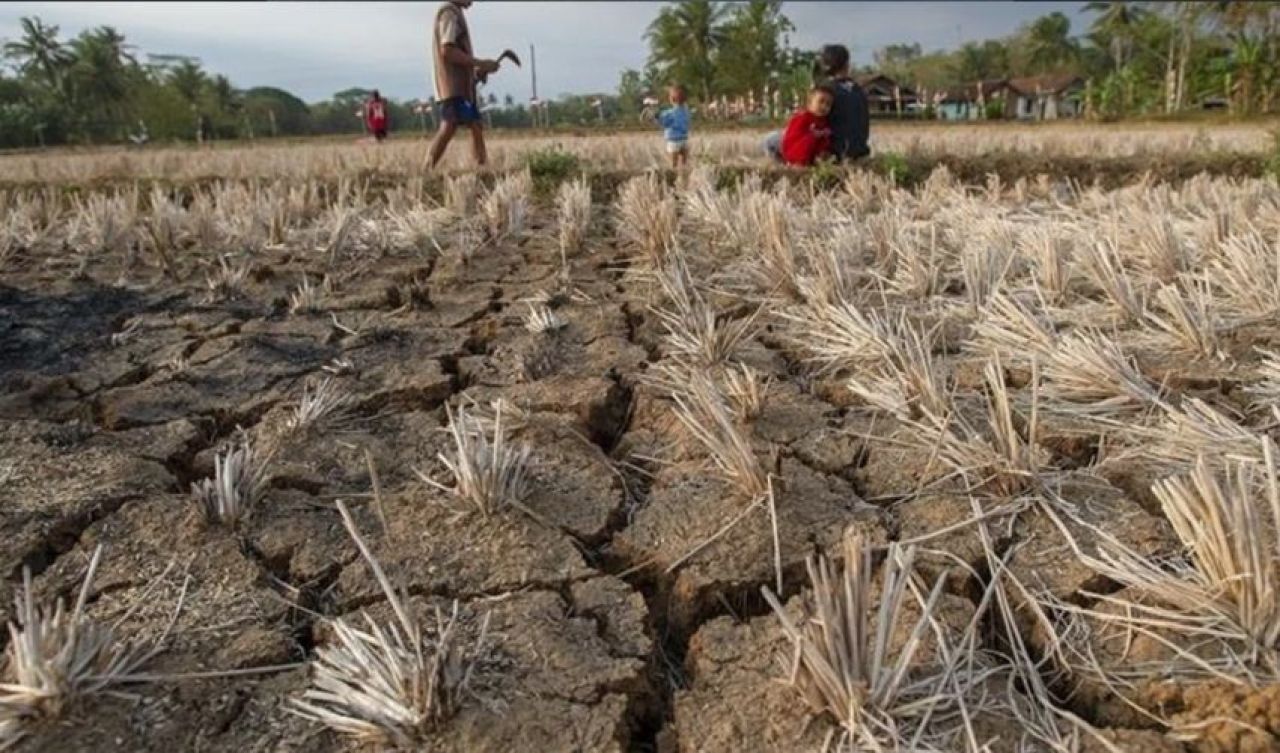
{"points": [[316, 454]]}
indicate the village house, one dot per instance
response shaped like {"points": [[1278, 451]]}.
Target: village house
{"points": [[975, 101], [886, 96], [1047, 97]]}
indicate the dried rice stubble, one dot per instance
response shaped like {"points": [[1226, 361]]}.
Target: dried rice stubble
{"points": [[58, 658], [393, 684], [1205, 617], [843, 667]]}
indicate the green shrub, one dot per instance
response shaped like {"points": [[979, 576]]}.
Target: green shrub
{"points": [[550, 167], [826, 175], [895, 166]]}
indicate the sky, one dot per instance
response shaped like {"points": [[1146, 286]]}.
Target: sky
{"points": [[314, 49]]}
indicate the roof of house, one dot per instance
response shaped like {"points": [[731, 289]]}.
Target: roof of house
{"points": [[969, 93], [878, 84], [1052, 83]]}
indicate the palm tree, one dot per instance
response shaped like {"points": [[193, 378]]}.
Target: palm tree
{"points": [[99, 78], [1246, 58], [114, 40], [225, 97], [975, 62], [1115, 26], [1049, 42], [683, 41], [39, 53], [753, 45], [188, 80]]}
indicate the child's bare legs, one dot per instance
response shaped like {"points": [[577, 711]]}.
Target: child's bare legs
{"points": [[679, 157]]}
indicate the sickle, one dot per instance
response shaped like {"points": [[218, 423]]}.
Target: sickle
{"points": [[506, 55]]}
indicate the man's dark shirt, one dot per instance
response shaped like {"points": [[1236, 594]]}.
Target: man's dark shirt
{"points": [[850, 120]]}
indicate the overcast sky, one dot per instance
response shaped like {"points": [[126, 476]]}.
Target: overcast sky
{"points": [[314, 49]]}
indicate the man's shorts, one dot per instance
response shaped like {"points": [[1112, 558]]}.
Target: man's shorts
{"points": [[677, 147], [380, 133], [459, 111]]}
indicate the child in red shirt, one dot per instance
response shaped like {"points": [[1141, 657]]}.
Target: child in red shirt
{"points": [[375, 116], [808, 135]]}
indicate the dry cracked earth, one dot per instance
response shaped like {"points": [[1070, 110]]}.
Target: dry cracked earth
{"points": [[115, 399]]}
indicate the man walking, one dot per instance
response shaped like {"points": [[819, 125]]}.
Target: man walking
{"points": [[455, 74]]}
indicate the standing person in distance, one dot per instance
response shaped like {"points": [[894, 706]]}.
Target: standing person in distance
{"points": [[455, 78], [675, 126], [375, 116]]}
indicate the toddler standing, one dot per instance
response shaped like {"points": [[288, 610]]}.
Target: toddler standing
{"points": [[675, 127]]}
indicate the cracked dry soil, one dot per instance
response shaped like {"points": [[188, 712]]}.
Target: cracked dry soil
{"points": [[600, 647]]}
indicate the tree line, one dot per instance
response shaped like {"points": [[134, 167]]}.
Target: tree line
{"points": [[1140, 57], [96, 88]]}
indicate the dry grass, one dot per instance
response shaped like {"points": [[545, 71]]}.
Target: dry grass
{"points": [[704, 413], [646, 217], [904, 381], [573, 212], [995, 457], [840, 335], [57, 658], [1088, 373], [695, 330], [541, 320], [747, 391], [1245, 274], [488, 474], [227, 280], [305, 298], [1187, 318], [1101, 264], [1214, 611], [238, 483], [391, 684], [461, 194], [323, 405], [841, 663], [506, 205]]}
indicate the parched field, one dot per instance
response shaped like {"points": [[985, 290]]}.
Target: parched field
{"points": [[585, 466]]}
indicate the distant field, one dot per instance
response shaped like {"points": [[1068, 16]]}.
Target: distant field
{"points": [[629, 151]]}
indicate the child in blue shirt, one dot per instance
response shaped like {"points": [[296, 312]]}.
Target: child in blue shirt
{"points": [[675, 127]]}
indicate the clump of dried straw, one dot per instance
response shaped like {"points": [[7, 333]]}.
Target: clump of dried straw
{"points": [[392, 684], [842, 665]]}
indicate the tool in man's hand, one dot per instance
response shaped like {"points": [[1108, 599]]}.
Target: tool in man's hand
{"points": [[506, 55]]}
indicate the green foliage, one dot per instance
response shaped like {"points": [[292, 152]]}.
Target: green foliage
{"points": [[550, 167], [826, 175], [630, 92], [684, 42], [752, 51], [894, 165]]}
